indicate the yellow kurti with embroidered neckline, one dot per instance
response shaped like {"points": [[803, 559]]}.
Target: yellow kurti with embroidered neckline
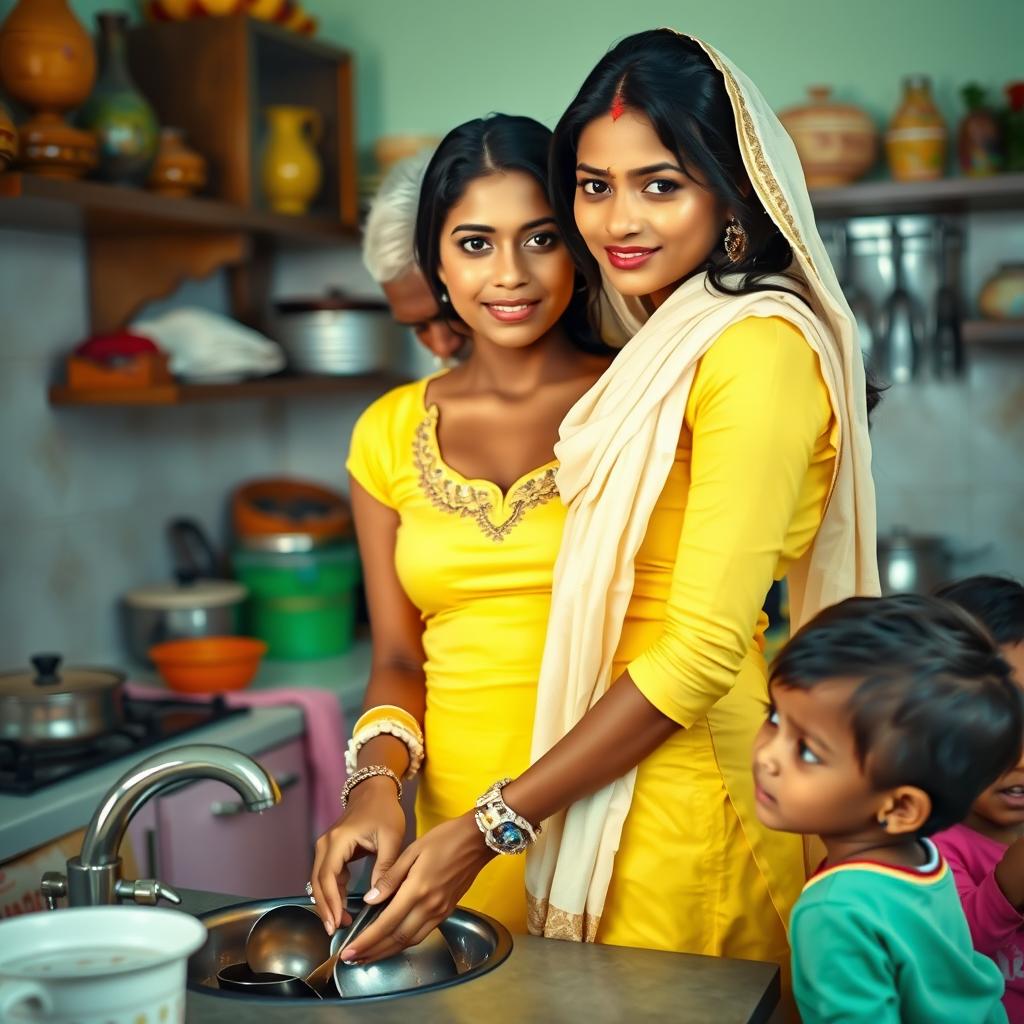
{"points": [[478, 565]]}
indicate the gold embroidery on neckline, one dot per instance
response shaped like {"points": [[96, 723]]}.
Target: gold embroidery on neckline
{"points": [[476, 503]]}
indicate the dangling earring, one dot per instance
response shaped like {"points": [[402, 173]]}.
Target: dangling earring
{"points": [[735, 242], [444, 295]]}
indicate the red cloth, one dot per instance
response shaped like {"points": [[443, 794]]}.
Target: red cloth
{"points": [[997, 929], [325, 736]]}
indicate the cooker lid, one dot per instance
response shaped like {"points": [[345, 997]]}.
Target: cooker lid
{"points": [[46, 677], [334, 299], [199, 594]]}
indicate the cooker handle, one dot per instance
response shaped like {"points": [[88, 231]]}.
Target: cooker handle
{"points": [[46, 666], [193, 554]]}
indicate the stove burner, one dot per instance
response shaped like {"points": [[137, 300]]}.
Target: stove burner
{"points": [[26, 769]]}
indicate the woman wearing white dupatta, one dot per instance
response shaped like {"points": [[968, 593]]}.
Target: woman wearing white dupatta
{"points": [[725, 447]]}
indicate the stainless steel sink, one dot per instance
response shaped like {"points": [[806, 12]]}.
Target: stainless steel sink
{"points": [[478, 944]]}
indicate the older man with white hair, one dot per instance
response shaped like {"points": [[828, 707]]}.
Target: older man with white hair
{"points": [[389, 257]]}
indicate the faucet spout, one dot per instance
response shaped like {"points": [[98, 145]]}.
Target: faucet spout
{"points": [[255, 786]]}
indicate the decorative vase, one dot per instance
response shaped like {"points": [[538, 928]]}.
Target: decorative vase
{"points": [[979, 139], [837, 143], [124, 123], [177, 170], [47, 63], [1013, 127], [915, 143], [8, 140], [291, 168], [1002, 296]]}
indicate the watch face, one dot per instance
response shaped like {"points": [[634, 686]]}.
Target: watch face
{"points": [[509, 836]]}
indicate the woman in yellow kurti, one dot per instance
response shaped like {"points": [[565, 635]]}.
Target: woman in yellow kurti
{"points": [[725, 446], [480, 578], [457, 513]]}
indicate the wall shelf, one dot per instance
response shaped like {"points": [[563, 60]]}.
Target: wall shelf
{"points": [[946, 195], [36, 202], [188, 394], [993, 332]]}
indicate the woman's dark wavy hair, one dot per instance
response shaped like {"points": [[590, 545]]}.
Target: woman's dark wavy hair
{"points": [[672, 82], [483, 146]]}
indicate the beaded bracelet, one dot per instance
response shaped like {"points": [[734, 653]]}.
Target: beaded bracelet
{"points": [[369, 772]]}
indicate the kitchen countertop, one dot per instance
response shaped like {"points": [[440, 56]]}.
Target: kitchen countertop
{"points": [[544, 980]]}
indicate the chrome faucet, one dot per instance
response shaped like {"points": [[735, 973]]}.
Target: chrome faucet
{"points": [[94, 876]]}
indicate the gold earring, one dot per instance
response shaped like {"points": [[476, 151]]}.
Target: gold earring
{"points": [[735, 242]]}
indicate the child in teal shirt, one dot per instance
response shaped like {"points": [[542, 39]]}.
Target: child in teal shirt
{"points": [[888, 717]]}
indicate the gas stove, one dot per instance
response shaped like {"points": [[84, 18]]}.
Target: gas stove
{"points": [[27, 769]]}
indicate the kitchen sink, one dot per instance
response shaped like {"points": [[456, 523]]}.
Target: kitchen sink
{"points": [[478, 944]]}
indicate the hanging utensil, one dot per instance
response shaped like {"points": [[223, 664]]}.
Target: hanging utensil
{"points": [[860, 305], [901, 332], [947, 344]]}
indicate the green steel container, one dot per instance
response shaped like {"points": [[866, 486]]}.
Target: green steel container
{"points": [[302, 604]]}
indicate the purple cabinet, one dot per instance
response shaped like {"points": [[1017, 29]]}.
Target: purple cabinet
{"points": [[201, 837]]}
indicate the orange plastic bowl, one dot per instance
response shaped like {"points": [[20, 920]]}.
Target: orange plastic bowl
{"points": [[208, 664]]}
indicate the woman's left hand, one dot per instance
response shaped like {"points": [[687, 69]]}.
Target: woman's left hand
{"points": [[428, 880]]}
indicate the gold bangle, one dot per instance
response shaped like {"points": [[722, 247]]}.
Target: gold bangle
{"points": [[369, 772], [393, 712]]}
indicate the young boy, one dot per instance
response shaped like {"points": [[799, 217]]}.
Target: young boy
{"points": [[986, 852], [888, 717]]}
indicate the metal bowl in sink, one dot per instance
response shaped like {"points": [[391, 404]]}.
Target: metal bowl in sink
{"points": [[477, 943]]}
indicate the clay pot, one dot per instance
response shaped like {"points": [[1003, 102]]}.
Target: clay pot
{"points": [[837, 143], [46, 56], [177, 170], [291, 168], [915, 144], [979, 139], [47, 63], [1002, 297], [8, 140], [123, 122]]}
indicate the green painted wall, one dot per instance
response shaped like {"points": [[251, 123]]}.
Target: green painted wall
{"points": [[425, 66]]}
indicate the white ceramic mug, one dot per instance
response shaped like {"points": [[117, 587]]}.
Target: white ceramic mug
{"points": [[97, 965]]}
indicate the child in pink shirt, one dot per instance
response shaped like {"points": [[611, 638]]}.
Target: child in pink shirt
{"points": [[986, 852]]}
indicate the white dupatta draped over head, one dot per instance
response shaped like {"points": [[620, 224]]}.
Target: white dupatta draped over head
{"points": [[617, 446]]}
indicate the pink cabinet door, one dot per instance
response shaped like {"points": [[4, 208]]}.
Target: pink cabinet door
{"points": [[207, 840]]}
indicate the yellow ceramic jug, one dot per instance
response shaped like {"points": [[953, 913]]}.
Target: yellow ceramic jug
{"points": [[291, 167]]}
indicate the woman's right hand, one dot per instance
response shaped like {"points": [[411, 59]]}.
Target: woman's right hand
{"points": [[373, 822]]}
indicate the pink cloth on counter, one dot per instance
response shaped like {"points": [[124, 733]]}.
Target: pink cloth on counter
{"points": [[997, 928], [325, 737]]}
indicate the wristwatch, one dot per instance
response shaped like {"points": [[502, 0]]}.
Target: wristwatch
{"points": [[504, 830]]}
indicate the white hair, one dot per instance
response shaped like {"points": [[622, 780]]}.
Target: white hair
{"points": [[388, 248]]}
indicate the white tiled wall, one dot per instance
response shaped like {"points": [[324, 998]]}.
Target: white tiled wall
{"points": [[84, 493]]}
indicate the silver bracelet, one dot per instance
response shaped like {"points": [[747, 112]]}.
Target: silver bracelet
{"points": [[369, 772]]}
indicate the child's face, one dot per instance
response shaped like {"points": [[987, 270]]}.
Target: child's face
{"points": [[807, 775], [1002, 804]]}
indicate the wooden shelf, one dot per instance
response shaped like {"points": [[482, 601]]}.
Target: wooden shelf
{"points": [[993, 332], [187, 394], [35, 202], [947, 195]]}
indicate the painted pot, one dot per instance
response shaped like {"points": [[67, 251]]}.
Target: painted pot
{"points": [[177, 170], [123, 121], [291, 168], [837, 143], [916, 142], [1002, 297]]}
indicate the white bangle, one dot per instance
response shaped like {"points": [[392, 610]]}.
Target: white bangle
{"points": [[385, 727]]}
